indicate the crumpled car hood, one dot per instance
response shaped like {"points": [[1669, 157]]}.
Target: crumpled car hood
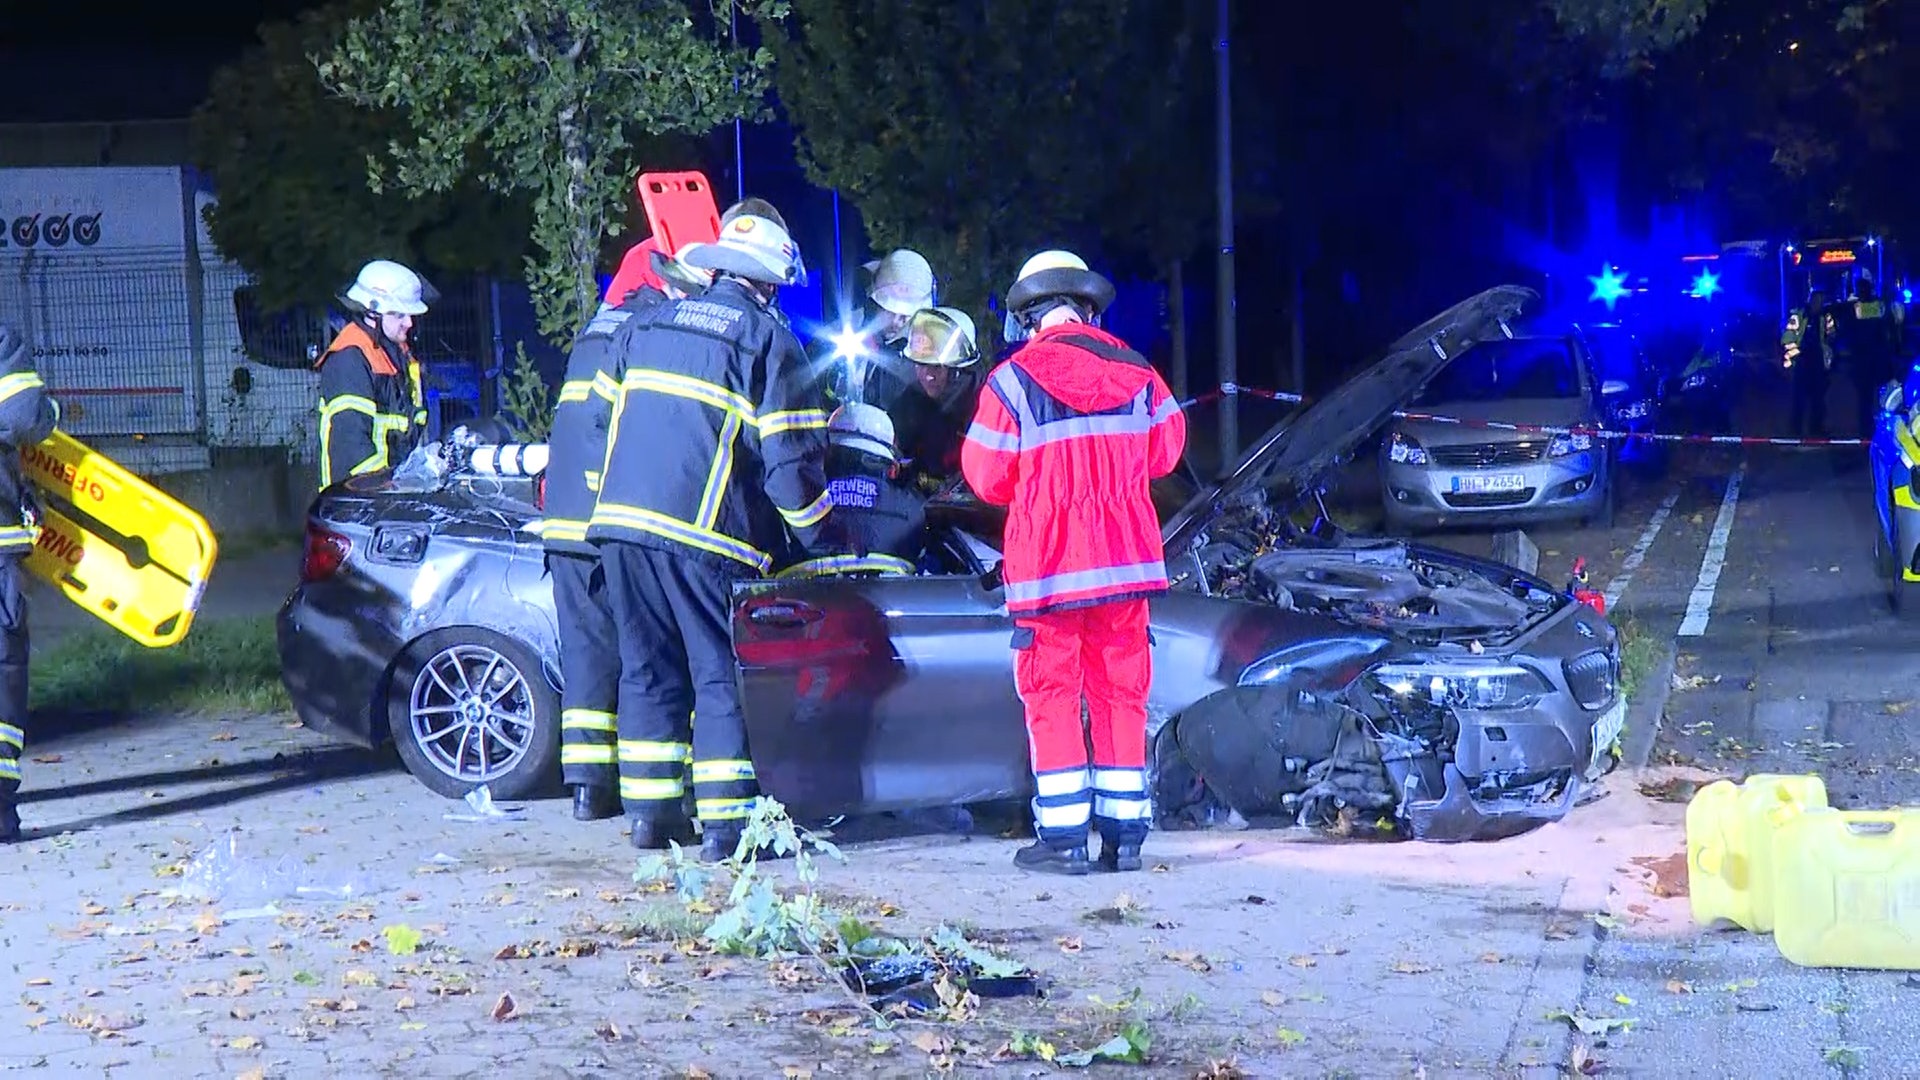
{"points": [[1299, 451]]}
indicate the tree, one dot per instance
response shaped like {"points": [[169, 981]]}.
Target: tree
{"points": [[553, 99], [1630, 34], [288, 163], [971, 132]]}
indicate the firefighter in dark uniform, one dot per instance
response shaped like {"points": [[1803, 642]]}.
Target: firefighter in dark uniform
{"points": [[589, 638], [713, 447], [27, 417], [883, 520], [372, 412]]}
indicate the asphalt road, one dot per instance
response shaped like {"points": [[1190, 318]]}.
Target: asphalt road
{"points": [[1788, 659]]}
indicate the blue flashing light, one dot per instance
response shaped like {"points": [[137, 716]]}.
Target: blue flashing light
{"points": [[1906, 296], [1609, 287], [1706, 285]]}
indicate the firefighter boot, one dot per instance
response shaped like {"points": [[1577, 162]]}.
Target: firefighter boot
{"points": [[1044, 858], [1118, 855], [653, 833], [592, 802], [9, 821]]}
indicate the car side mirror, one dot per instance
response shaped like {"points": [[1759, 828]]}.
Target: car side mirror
{"points": [[1890, 397], [1613, 387]]}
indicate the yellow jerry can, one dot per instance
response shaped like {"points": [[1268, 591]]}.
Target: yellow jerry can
{"points": [[1848, 889], [114, 544], [1730, 862]]}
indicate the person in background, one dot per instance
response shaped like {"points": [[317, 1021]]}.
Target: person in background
{"points": [[1812, 361], [28, 415], [948, 374], [589, 635], [712, 447], [372, 412], [883, 520], [1070, 433]]}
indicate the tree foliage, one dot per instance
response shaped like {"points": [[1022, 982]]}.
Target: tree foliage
{"points": [[558, 100], [288, 163], [1630, 34], [980, 131]]}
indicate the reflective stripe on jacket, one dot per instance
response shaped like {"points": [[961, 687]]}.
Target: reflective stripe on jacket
{"points": [[371, 413], [714, 447], [577, 443], [1068, 435], [27, 417]]}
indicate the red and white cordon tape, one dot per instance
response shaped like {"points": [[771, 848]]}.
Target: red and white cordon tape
{"points": [[1233, 389]]}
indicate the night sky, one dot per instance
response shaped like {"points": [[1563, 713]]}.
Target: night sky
{"points": [[126, 60]]}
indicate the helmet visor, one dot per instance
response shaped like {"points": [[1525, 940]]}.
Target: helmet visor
{"points": [[933, 338]]}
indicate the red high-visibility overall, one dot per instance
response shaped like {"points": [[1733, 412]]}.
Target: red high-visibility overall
{"points": [[1067, 436]]}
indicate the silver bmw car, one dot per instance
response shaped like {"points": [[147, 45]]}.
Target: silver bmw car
{"points": [[1435, 474]]}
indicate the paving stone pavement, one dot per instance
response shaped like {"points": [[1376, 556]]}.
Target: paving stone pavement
{"points": [[1294, 957]]}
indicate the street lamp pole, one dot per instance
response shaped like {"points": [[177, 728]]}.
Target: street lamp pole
{"points": [[1223, 122]]}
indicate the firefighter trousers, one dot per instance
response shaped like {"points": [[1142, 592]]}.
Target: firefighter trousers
{"points": [[676, 658], [589, 669], [1100, 655], [13, 678]]}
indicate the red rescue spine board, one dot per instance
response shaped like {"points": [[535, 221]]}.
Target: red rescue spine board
{"points": [[117, 546], [680, 209]]}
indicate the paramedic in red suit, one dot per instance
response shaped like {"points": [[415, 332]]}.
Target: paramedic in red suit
{"points": [[1068, 434]]}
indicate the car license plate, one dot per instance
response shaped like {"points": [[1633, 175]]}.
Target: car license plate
{"points": [[1606, 731], [1488, 483]]}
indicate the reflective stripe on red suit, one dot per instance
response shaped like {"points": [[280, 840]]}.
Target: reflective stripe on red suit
{"points": [[1068, 434]]}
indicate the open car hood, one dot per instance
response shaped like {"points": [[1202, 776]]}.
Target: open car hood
{"points": [[1301, 449]]}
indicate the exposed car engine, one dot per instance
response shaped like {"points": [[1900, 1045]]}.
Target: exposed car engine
{"points": [[1254, 554]]}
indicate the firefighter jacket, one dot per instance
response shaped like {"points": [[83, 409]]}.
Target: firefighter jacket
{"points": [[714, 443], [371, 409], [27, 417], [882, 521], [1068, 435], [577, 443]]}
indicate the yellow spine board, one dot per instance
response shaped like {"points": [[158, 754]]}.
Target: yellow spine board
{"points": [[119, 547], [1849, 889]]}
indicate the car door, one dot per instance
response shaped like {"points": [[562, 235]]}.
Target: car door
{"points": [[884, 693]]}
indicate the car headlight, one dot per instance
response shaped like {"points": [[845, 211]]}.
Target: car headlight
{"points": [[1634, 410], [1405, 450], [1488, 686], [1571, 443], [1694, 382]]}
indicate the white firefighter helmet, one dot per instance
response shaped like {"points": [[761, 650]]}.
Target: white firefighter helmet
{"points": [[673, 270], [751, 247], [385, 287], [1057, 274], [941, 337], [902, 282], [866, 428]]}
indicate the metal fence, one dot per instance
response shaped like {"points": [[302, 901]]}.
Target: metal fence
{"points": [[165, 362]]}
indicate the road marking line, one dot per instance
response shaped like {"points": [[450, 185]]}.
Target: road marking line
{"points": [[1700, 604], [1618, 586]]}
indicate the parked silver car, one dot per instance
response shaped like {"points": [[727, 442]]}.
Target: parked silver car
{"points": [[1435, 474]]}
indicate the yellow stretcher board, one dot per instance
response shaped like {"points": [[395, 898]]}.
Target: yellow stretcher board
{"points": [[119, 547]]}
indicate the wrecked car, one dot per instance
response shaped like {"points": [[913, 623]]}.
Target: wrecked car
{"points": [[1299, 672]]}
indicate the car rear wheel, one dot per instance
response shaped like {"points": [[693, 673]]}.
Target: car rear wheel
{"points": [[469, 707]]}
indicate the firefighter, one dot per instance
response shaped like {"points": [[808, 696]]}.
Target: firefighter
{"points": [[948, 373], [589, 638], [903, 284], [27, 416], [1069, 433], [883, 520], [712, 447], [371, 409], [1811, 359]]}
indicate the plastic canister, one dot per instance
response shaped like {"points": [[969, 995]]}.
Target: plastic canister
{"points": [[1848, 889], [1730, 855]]}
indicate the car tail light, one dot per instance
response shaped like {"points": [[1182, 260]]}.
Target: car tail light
{"points": [[325, 551], [540, 492]]}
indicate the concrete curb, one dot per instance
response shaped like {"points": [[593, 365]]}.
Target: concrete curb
{"points": [[1646, 710]]}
